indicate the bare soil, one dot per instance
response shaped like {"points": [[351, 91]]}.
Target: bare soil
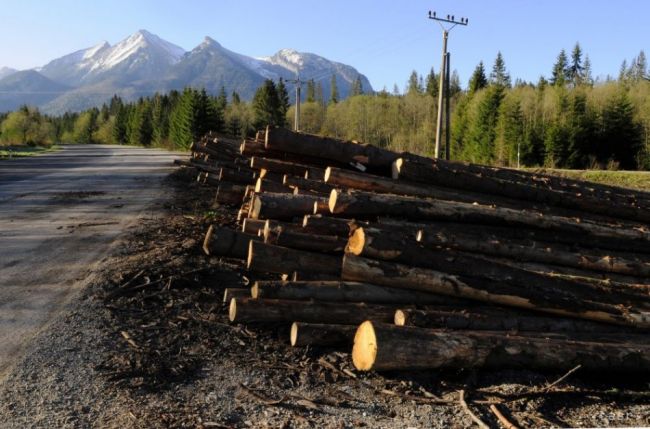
{"points": [[148, 344]]}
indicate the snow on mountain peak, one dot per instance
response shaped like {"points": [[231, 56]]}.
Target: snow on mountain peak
{"points": [[91, 52]]}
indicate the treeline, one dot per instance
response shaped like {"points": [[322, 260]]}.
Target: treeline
{"points": [[565, 120]]}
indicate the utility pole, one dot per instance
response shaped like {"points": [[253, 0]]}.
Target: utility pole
{"points": [[296, 122], [444, 78]]}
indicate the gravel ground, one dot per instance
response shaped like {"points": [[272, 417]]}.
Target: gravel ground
{"points": [[147, 344]]}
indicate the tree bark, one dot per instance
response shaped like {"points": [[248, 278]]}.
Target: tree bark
{"points": [[524, 296], [282, 260], [263, 185], [244, 310], [235, 292], [388, 347], [341, 151], [327, 225], [342, 291], [320, 334], [480, 319], [368, 205], [307, 184], [281, 206], [230, 194], [535, 251], [446, 175], [222, 241], [240, 176], [300, 240], [277, 166]]}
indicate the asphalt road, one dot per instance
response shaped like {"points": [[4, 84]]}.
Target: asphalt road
{"points": [[59, 214]]}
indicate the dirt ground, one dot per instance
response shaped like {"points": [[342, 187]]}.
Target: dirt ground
{"points": [[148, 344]]}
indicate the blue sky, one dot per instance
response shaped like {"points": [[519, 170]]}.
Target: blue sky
{"points": [[383, 39]]}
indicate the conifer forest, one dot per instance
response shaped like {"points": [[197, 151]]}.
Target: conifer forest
{"points": [[567, 119]]}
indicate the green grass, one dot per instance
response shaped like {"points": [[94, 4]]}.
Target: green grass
{"points": [[7, 152], [627, 179]]}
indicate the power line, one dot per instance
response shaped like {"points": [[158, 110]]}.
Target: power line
{"points": [[443, 90]]}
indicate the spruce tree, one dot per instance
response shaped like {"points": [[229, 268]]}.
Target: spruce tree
{"points": [[222, 99], [140, 127], [559, 73], [234, 97], [433, 83], [283, 106], [311, 91], [334, 90], [576, 69], [586, 72], [357, 86], [413, 84], [183, 119], [120, 124], [500, 75], [320, 96], [266, 105], [478, 79]]}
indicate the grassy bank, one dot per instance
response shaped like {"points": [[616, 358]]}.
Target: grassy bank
{"points": [[7, 152], [628, 179]]}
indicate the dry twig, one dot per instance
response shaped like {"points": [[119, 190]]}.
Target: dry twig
{"points": [[502, 419], [474, 417]]}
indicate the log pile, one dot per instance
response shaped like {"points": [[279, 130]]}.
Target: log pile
{"points": [[416, 263]]}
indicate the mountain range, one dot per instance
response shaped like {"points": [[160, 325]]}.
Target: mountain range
{"points": [[143, 64]]}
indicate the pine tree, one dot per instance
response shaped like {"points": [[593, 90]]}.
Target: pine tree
{"points": [[266, 105], [120, 124], [140, 127], [183, 119], [433, 84], [586, 72], [311, 91], [499, 75], [639, 67], [620, 134], [482, 129], [413, 84], [160, 119], [357, 86], [234, 97], [510, 132], [559, 73], [222, 99], [283, 97], [334, 90], [576, 68], [478, 79], [624, 72]]}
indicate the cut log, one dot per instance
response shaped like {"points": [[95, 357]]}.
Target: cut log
{"points": [[277, 166], [384, 273], [302, 276], [240, 176], [270, 225], [327, 225], [535, 251], [244, 310], [341, 151], [387, 347], [282, 260], [270, 176], [252, 226], [300, 240], [230, 194], [377, 244], [306, 184], [281, 206], [235, 292], [263, 185], [315, 173], [303, 191], [320, 334], [221, 241], [341, 291], [487, 319], [444, 174], [363, 204]]}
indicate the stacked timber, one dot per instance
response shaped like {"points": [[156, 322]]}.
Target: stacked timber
{"points": [[416, 263]]}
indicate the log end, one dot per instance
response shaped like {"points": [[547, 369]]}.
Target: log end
{"points": [[396, 167], [256, 207], [364, 351], [249, 260], [420, 235], [400, 318], [356, 242], [255, 291], [332, 200], [258, 185], [293, 335], [207, 239], [266, 137], [232, 310], [328, 172]]}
